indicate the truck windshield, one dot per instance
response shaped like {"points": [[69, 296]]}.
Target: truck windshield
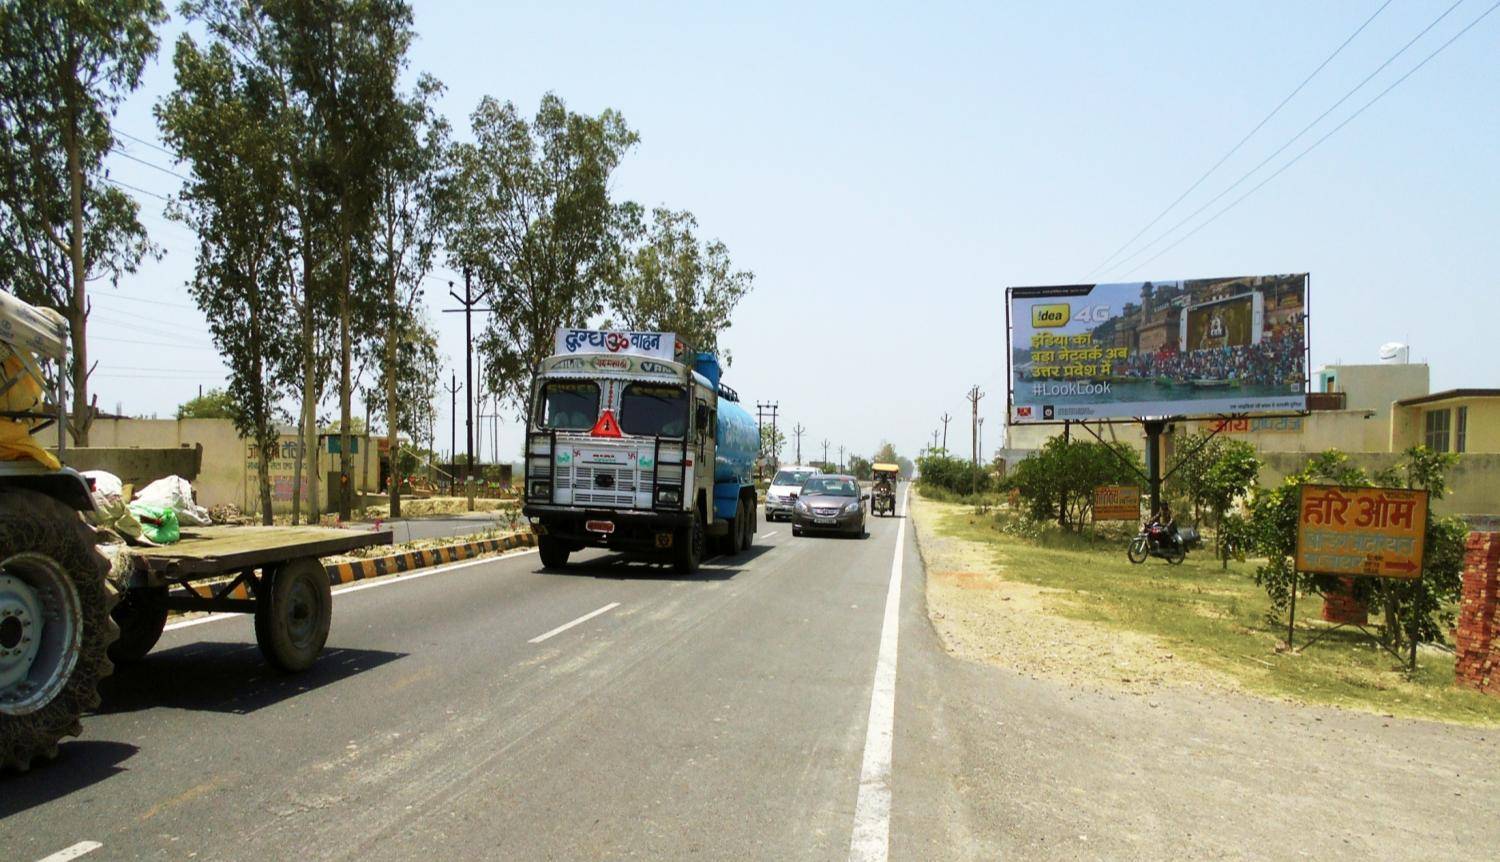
{"points": [[570, 405], [651, 409]]}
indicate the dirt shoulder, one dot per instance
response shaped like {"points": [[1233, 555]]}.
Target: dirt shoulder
{"points": [[981, 616]]}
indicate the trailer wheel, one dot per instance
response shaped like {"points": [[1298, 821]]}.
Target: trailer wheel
{"points": [[141, 616], [293, 613], [554, 552], [55, 629], [689, 553]]}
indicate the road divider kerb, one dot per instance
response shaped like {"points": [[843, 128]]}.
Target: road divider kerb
{"points": [[409, 561]]}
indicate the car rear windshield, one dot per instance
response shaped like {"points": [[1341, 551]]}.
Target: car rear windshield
{"points": [[570, 405], [792, 477], [830, 487], [653, 410]]}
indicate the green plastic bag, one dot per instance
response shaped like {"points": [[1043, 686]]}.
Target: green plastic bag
{"points": [[159, 523]]}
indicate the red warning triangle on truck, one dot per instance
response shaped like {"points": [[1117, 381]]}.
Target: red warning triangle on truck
{"points": [[606, 426]]}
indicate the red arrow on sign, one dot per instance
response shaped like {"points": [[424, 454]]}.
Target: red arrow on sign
{"points": [[1403, 566]]}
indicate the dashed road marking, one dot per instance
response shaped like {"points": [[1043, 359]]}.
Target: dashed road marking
{"points": [[583, 619], [769, 535], [73, 852]]}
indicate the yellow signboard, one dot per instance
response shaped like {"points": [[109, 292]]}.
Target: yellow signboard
{"points": [[1117, 503], [1361, 531]]}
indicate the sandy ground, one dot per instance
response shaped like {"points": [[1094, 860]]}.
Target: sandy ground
{"points": [[981, 616]]}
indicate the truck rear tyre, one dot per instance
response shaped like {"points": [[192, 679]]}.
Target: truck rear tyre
{"points": [[141, 615], [689, 551], [554, 552], [55, 629], [752, 525], [293, 614], [734, 540]]}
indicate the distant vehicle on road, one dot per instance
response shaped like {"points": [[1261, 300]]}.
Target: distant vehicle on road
{"points": [[832, 504], [884, 500], [785, 486]]}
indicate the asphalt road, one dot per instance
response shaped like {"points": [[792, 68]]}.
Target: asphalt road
{"points": [[768, 708]]}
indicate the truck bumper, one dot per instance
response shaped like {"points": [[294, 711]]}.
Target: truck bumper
{"points": [[632, 530]]}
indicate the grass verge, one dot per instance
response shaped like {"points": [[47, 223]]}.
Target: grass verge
{"points": [[1214, 618]]}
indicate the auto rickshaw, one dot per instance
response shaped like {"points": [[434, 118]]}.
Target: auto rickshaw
{"points": [[883, 499]]}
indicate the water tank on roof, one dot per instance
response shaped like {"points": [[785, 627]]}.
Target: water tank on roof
{"points": [[1395, 353]]}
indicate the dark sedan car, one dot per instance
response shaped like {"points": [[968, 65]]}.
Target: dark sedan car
{"points": [[832, 503]]}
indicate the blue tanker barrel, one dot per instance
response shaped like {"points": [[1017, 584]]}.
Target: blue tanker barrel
{"points": [[737, 445]]}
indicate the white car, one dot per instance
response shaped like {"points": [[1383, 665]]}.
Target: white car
{"points": [[785, 486]]}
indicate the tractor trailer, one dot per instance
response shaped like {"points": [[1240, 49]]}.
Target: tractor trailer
{"points": [[634, 443]]}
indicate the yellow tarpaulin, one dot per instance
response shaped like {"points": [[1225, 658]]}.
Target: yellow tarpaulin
{"points": [[16, 443]]}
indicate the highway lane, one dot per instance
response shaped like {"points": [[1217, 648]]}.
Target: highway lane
{"points": [[723, 715]]}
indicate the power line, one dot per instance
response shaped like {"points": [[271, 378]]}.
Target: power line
{"points": [[111, 296], [136, 189], [143, 142], [1234, 149], [121, 153], [1314, 145], [1294, 138], [178, 345]]}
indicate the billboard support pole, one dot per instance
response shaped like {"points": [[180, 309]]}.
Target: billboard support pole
{"points": [[1291, 616], [1154, 429]]}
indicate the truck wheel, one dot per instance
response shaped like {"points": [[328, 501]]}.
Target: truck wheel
{"points": [[689, 553], [752, 525], [55, 629], [293, 614], [734, 540], [141, 616], [554, 552]]}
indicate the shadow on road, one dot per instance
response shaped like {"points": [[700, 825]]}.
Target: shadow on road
{"points": [[621, 566], [79, 764], [225, 677]]}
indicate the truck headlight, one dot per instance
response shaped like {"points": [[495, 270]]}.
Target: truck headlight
{"points": [[541, 489], [669, 496]]}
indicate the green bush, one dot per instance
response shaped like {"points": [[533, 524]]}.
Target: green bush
{"points": [[1057, 483], [941, 472]]}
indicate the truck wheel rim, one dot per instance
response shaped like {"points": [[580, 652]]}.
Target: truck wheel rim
{"points": [[301, 613], [40, 638]]}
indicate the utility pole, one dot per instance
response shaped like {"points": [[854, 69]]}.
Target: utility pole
{"points": [[825, 451], [934, 439], [799, 431], [841, 459], [974, 396], [453, 388], [469, 302], [946, 419], [761, 408], [981, 436]]}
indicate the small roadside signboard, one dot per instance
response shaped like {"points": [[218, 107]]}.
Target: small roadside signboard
{"points": [[1377, 532], [1117, 503]]}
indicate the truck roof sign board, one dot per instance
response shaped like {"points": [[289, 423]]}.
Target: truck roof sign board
{"points": [[1199, 347], [1117, 503], [1361, 531], [658, 345]]}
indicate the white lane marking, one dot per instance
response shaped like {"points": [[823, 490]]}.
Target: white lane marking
{"points": [[769, 535], [583, 619], [73, 852], [366, 585], [872, 811]]}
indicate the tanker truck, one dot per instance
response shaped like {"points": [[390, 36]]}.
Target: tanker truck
{"points": [[633, 443]]}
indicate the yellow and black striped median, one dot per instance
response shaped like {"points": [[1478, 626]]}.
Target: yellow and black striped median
{"points": [[393, 564]]}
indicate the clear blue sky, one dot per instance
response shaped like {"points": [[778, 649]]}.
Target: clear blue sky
{"points": [[886, 173]]}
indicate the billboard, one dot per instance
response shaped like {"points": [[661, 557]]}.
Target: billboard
{"points": [[1198, 347]]}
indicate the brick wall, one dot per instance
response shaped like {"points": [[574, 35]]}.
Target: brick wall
{"points": [[1478, 664], [1340, 605]]}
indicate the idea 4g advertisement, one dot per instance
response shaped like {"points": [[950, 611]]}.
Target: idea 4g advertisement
{"points": [[1198, 347]]}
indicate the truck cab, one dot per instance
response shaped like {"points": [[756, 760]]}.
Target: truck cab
{"points": [[634, 444]]}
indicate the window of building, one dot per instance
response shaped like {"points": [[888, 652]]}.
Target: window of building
{"points": [[1461, 430], [1436, 436]]}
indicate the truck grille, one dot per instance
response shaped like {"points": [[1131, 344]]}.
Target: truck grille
{"points": [[605, 486]]}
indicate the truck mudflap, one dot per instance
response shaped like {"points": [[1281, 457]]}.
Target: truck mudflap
{"points": [[624, 530]]}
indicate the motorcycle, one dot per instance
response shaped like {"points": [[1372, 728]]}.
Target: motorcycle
{"points": [[1157, 541]]}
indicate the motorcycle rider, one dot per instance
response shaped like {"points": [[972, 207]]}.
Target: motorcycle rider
{"points": [[1163, 526]]}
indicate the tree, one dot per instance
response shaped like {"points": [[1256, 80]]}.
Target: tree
{"points": [[64, 67], [223, 120], [772, 441], [346, 57], [859, 467], [670, 282], [1212, 473], [213, 404], [1058, 482], [406, 233], [528, 213]]}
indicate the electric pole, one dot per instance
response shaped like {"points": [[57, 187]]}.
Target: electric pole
{"points": [[761, 408], [934, 439], [469, 302], [799, 431], [453, 388], [981, 436], [946, 419], [974, 396], [841, 459], [825, 451]]}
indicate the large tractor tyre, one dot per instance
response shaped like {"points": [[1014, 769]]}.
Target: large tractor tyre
{"points": [[55, 629], [141, 615], [554, 552], [293, 613], [689, 548]]}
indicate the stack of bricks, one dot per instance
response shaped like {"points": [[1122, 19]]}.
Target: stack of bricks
{"points": [[1478, 633], [1340, 605]]}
